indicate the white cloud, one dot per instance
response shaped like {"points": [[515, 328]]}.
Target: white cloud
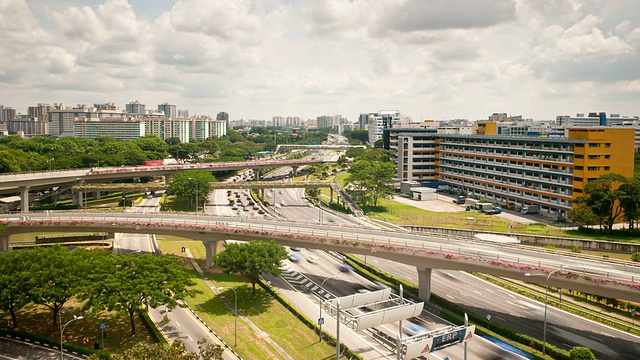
{"points": [[259, 58]]}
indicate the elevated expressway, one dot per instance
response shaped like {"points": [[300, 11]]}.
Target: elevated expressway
{"points": [[599, 277], [23, 182]]}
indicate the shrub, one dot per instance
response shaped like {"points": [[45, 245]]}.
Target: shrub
{"points": [[575, 249], [550, 247], [635, 257], [581, 353]]}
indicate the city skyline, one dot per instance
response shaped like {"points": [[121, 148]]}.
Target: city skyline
{"points": [[255, 60]]}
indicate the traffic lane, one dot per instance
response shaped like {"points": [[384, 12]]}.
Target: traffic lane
{"points": [[15, 350], [183, 326]]}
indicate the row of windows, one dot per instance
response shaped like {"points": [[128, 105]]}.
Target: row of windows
{"points": [[593, 168]]}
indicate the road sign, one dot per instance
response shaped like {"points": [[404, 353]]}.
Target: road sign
{"points": [[448, 339], [103, 325], [320, 321]]}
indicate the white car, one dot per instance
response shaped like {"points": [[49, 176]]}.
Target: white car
{"points": [[312, 259]]}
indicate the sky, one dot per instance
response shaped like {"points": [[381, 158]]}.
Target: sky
{"points": [[429, 59]]}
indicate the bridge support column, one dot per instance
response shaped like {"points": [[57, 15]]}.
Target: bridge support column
{"points": [[295, 170], [167, 179], [330, 195], [77, 198], [4, 243], [256, 177], [424, 284], [96, 195], [211, 248], [24, 199]]}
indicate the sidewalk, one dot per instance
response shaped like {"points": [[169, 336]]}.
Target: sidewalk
{"points": [[263, 334]]}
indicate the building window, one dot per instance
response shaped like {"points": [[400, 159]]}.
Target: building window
{"points": [[607, 144], [607, 156], [593, 168], [607, 168], [579, 168], [578, 156], [577, 179], [577, 190]]}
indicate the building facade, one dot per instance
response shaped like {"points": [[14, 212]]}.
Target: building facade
{"points": [[544, 172], [168, 110]]}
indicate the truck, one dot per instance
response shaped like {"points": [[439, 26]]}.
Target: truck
{"points": [[459, 200], [443, 188], [530, 209]]}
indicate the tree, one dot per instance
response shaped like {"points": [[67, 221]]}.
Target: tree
{"points": [[127, 282], [251, 259], [189, 182], [360, 135], [14, 274], [582, 213], [604, 196], [630, 201], [153, 147], [581, 353], [354, 152], [56, 275], [371, 180]]}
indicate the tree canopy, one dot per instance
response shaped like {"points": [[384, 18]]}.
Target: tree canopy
{"points": [[371, 177], [251, 259]]}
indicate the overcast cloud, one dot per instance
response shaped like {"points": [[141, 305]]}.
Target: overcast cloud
{"points": [[430, 59]]}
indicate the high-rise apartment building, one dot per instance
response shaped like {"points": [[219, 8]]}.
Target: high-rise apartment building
{"points": [[8, 113], [224, 117], [183, 113], [134, 107], [39, 111], [168, 109]]}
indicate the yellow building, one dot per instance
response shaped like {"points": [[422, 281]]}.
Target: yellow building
{"points": [[605, 150]]}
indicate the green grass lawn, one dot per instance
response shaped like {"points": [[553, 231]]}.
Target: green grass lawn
{"points": [[263, 310]]}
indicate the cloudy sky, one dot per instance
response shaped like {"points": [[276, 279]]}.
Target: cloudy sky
{"points": [[430, 59]]}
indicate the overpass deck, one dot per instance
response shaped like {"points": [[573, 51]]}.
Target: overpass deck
{"points": [[598, 277]]}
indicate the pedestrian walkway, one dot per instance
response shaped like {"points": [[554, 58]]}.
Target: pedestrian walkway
{"points": [[257, 330]]}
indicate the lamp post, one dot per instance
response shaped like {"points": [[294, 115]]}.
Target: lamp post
{"points": [[320, 304], [235, 325], [62, 330], [196, 194], [546, 296]]}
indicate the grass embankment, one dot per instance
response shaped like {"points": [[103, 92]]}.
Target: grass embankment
{"points": [[263, 310]]}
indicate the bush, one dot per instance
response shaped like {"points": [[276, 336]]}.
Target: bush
{"points": [[550, 247], [635, 257], [575, 249], [581, 353]]}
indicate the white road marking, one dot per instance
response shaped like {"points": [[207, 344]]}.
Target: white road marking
{"points": [[177, 323], [189, 337]]}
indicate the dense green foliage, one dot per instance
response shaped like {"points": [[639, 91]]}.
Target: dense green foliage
{"points": [[52, 276], [371, 177], [251, 259], [192, 183], [635, 257], [581, 353], [356, 137], [607, 199]]}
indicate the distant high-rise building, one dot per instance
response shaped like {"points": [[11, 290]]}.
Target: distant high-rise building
{"points": [[498, 117], [223, 116], [8, 113], [325, 121], [135, 107], [1, 113], [183, 113], [38, 112], [168, 109]]}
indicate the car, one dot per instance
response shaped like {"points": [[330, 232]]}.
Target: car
{"points": [[312, 259], [413, 329], [255, 207], [234, 207], [282, 203], [363, 291], [260, 211], [345, 268], [295, 249], [293, 257]]}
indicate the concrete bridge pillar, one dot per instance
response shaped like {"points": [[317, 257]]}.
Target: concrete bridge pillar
{"points": [[77, 197], [24, 199], [256, 177], [211, 248], [167, 179], [330, 195], [424, 284], [295, 170], [4, 243], [96, 195]]}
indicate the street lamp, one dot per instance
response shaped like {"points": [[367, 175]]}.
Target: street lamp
{"points": [[546, 295], [196, 194], [320, 303], [235, 331], [62, 330]]}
